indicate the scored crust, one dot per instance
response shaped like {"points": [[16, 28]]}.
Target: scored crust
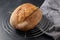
{"points": [[24, 18]]}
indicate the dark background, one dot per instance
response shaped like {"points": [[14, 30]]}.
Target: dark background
{"points": [[7, 7]]}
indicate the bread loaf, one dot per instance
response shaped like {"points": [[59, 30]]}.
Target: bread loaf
{"points": [[25, 17]]}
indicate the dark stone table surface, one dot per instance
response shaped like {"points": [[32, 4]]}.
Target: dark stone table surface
{"points": [[6, 7]]}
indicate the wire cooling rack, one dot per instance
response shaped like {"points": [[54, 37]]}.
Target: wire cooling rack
{"points": [[44, 24]]}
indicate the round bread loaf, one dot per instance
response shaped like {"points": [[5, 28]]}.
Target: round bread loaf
{"points": [[25, 17]]}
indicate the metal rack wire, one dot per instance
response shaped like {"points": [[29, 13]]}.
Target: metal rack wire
{"points": [[44, 24]]}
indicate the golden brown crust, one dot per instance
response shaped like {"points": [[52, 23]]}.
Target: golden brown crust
{"points": [[33, 20], [21, 20]]}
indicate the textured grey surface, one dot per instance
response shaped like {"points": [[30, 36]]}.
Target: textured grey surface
{"points": [[51, 8]]}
